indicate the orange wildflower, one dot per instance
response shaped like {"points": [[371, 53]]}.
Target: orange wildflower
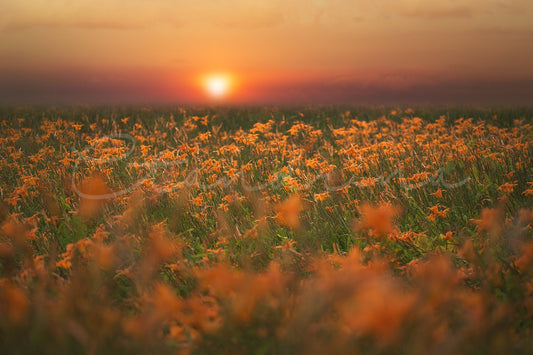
{"points": [[371, 313], [526, 259], [435, 212], [161, 247], [448, 236], [525, 216], [423, 176], [507, 187], [321, 196], [94, 195], [13, 302], [64, 263], [491, 220], [105, 256], [176, 333], [379, 220], [288, 245], [529, 192], [165, 301], [6, 250], [17, 232], [368, 182], [288, 212], [438, 193]]}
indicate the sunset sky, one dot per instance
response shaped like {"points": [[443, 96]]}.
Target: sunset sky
{"points": [[274, 51]]}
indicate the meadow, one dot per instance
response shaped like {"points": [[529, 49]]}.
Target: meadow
{"points": [[368, 230]]}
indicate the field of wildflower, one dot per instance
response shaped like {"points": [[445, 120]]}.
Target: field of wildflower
{"points": [[366, 230]]}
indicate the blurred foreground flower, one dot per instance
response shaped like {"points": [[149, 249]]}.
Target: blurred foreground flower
{"points": [[378, 220], [491, 220], [288, 212], [13, 302], [94, 190]]}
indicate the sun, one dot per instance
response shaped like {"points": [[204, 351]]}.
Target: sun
{"points": [[217, 85]]}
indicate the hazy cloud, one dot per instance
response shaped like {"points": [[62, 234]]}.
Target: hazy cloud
{"points": [[250, 17], [459, 9], [514, 32], [22, 14], [116, 14], [84, 24], [456, 10]]}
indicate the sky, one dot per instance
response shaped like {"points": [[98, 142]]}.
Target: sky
{"points": [[274, 51]]}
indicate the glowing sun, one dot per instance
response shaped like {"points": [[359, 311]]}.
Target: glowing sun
{"points": [[217, 86]]}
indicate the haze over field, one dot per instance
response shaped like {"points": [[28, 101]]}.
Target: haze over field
{"points": [[276, 51]]}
